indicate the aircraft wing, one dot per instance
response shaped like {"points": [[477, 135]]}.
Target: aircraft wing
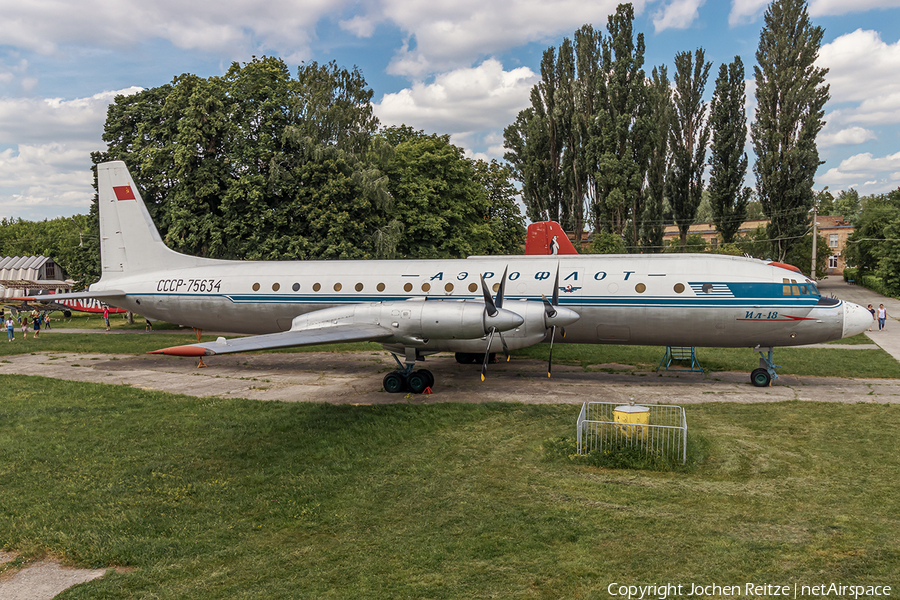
{"points": [[304, 337]]}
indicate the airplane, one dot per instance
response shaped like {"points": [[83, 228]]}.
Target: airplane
{"points": [[473, 307], [50, 302]]}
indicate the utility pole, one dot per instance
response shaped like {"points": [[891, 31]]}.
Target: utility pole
{"points": [[815, 211]]}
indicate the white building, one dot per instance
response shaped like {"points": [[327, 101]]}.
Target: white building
{"points": [[30, 276]]}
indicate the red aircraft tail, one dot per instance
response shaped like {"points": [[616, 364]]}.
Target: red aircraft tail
{"points": [[547, 238]]}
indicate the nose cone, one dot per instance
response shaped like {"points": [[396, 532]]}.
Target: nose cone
{"points": [[504, 320], [856, 319], [563, 317]]}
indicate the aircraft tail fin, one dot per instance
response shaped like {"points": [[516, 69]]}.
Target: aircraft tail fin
{"points": [[547, 237], [129, 241]]}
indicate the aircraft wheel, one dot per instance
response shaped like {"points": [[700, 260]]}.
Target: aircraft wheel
{"points": [[466, 358], [760, 377], [417, 382], [428, 375], [394, 382]]}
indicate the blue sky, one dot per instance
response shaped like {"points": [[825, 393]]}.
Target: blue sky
{"points": [[460, 67]]}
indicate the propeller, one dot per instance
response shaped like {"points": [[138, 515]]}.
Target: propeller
{"points": [[492, 307], [550, 312]]}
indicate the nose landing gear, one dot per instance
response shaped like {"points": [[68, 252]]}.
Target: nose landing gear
{"points": [[763, 376]]}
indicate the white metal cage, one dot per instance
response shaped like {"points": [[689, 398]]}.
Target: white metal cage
{"points": [[664, 435]]}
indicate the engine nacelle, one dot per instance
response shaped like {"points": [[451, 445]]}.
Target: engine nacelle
{"points": [[415, 319]]}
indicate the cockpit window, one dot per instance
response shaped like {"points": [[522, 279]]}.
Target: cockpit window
{"points": [[804, 289]]}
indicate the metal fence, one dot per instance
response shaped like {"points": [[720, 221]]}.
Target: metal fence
{"points": [[663, 435]]}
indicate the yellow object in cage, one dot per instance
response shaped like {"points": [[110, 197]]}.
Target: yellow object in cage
{"points": [[629, 421]]}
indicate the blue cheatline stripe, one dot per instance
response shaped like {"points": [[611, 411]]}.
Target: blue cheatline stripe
{"points": [[574, 302]]}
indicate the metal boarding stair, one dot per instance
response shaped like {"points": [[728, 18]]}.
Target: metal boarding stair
{"points": [[685, 354]]}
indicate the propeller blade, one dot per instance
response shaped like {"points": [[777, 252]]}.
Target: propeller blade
{"points": [[500, 292], [548, 307], [505, 347], [556, 287], [487, 353], [489, 305], [550, 360]]}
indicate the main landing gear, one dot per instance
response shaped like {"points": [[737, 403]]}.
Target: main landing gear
{"points": [[416, 382], [406, 379], [763, 376]]}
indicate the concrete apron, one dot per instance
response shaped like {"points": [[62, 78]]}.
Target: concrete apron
{"points": [[355, 378]]}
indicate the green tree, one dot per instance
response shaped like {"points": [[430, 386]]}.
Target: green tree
{"points": [[870, 241], [438, 199], [728, 161], [606, 243], [622, 132], [801, 255], [660, 111], [535, 146], [847, 205], [506, 221], [791, 94], [694, 243], [690, 135], [825, 200], [259, 165]]}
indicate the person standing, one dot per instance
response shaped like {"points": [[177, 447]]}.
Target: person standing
{"points": [[36, 321], [872, 310], [106, 316], [24, 327], [10, 326], [882, 316]]}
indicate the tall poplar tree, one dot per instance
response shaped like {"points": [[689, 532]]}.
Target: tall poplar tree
{"points": [[728, 196], [660, 100], [690, 135], [791, 94], [619, 132]]}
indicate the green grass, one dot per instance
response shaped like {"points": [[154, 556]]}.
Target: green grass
{"points": [[80, 320], [823, 362], [210, 498], [856, 340]]}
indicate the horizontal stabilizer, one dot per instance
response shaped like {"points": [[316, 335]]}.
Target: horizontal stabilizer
{"points": [[284, 339], [104, 295]]}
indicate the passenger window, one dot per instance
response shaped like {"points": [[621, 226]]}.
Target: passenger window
{"points": [[426, 287], [380, 287], [317, 287], [473, 287], [359, 287], [448, 287], [407, 287], [337, 287]]}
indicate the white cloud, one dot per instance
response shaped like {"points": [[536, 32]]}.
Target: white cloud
{"points": [[746, 11], [820, 8], [844, 137], [46, 171], [230, 27], [864, 172], [860, 66], [461, 101], [678, 14], [862, 70], [39, 120], [444, 34], [47, 180]]}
